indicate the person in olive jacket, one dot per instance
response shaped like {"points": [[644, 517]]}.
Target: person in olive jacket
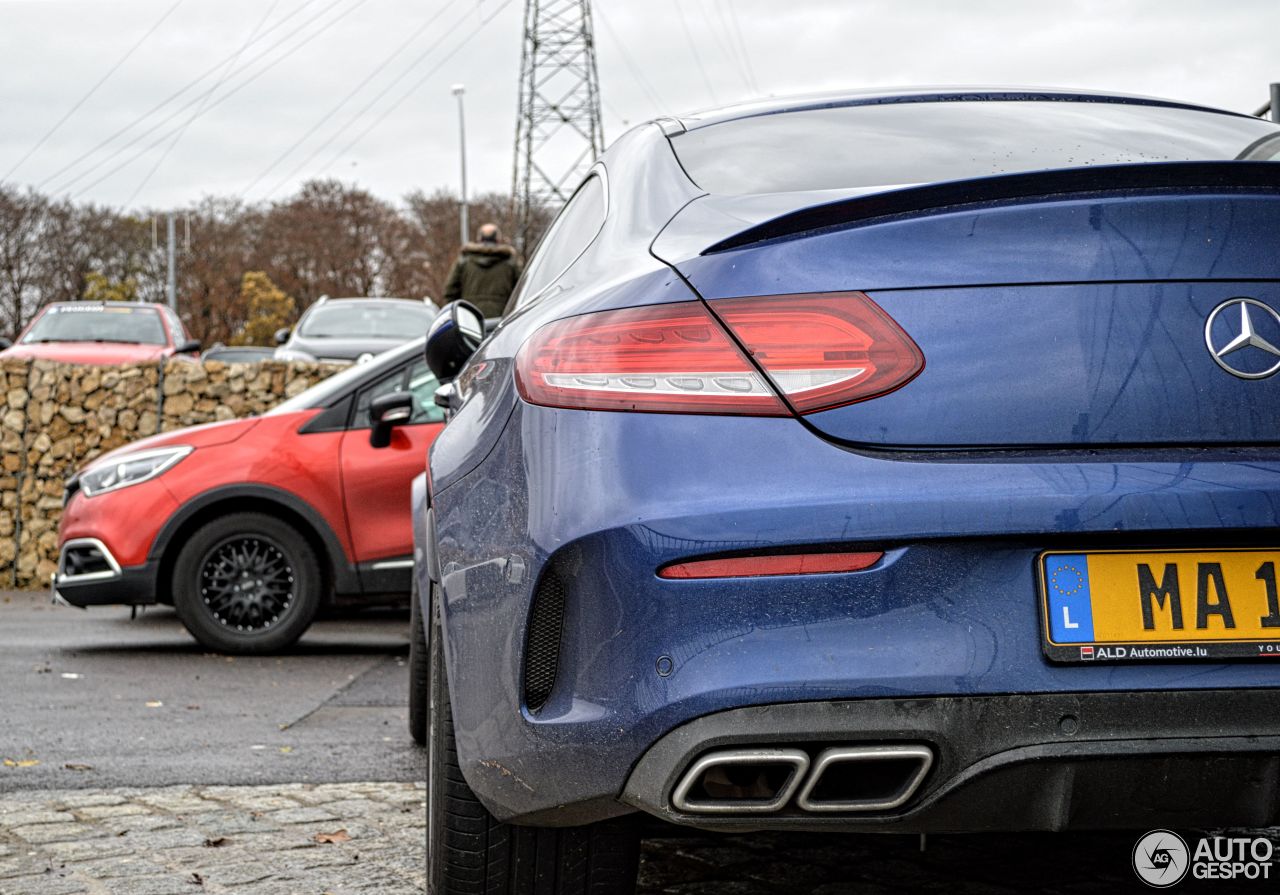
{"points": [[485, 272]]}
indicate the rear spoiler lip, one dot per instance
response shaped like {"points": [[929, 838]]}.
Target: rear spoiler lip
{"points": [[937, 198]]}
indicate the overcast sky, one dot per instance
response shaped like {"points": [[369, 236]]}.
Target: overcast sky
{"points": [[381, 64]]}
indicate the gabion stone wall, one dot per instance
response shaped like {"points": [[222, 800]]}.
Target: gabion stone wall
{"points": [[56, 417]]}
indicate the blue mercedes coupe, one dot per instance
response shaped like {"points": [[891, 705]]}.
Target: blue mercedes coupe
{"points": [[895, 461]]}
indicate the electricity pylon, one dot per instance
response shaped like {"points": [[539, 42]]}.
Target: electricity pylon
{"points": [[558, 129]]}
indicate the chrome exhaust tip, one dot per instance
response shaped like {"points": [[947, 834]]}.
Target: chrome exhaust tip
{"points": [[865, 778], [740, 781]]}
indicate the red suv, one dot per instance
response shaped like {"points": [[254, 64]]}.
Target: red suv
{"points": [[103, 332], [248, 527]]}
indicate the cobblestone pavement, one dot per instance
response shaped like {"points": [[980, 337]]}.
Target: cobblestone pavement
{"points": [[369, 837], [305, 839], [255, 840]]}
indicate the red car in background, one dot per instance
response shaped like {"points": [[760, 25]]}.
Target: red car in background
{"points": [[248, 527], [103, 332]]}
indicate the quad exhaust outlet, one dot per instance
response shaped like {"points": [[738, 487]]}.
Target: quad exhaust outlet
{"points": [[848, 779], [735, 781]]}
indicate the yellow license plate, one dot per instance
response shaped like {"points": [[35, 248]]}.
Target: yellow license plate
{"points": [[1160, 606]]}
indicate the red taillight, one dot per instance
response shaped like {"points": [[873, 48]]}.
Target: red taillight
{"points": [[823, 350], [819, 351], [673, 358], [785, 564]]}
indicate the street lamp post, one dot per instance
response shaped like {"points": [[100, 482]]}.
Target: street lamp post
{"points": [[458, 91]]}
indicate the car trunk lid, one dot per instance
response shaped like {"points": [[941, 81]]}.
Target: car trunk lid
{"points": [[1056, 309]]}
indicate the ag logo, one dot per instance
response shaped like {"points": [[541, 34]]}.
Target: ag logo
{"points": [[1161, 859]]}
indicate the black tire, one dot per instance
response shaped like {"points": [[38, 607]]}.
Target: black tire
{"points": [[419, 668], [247, 583], [470, 853]]}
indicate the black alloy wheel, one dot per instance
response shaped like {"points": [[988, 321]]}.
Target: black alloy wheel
{"points": [[247, 583]]}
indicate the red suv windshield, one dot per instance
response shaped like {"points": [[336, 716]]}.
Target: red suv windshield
{"points": [[97, 323]]}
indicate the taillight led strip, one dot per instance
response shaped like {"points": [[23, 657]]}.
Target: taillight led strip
{"points": [[673, 358], [808, 352]]}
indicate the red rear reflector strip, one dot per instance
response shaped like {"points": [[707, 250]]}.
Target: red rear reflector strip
{"points": [[670, 358], [823, 350], [759, 566]]}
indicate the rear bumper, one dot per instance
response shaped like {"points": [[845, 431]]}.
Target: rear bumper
{"points": [[950, 614], [1015, 762]]}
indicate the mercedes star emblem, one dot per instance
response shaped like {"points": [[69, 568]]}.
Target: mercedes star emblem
{"points": [[1242, 314]]}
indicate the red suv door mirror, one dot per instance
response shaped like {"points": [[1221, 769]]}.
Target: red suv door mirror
{"points": [[386, 412]]}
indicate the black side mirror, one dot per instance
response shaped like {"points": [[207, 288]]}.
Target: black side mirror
{"points": [[452, 338], [386, 412], [282, 335], [446, 396], [5, 343], [191, 346]]}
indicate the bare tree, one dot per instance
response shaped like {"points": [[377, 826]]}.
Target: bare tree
{"points": [[328, 238], [22, 218], [435, 219]]}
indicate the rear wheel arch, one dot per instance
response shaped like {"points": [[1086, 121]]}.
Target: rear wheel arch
{"points": [[338, 574]]}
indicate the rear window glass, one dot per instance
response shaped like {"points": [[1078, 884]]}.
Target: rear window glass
{"points": [[572, 231], [339, 384], [357, 320], [97, 323], [912, 143]]}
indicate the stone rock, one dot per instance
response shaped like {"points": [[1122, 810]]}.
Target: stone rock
{"points": [[63, 447], [177, 404]]}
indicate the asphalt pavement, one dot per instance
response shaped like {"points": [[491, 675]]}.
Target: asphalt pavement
{"points": [[92, 698]]}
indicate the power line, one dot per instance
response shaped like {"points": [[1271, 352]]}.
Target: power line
{"points": [[727, 48], [636, 71], [230, 93], [727, 43], [205, 95], [414, 86], [395, 105], [328, 116], [164, 102], [94, 89], [693, 48], [742, 44], [200, 110]]}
